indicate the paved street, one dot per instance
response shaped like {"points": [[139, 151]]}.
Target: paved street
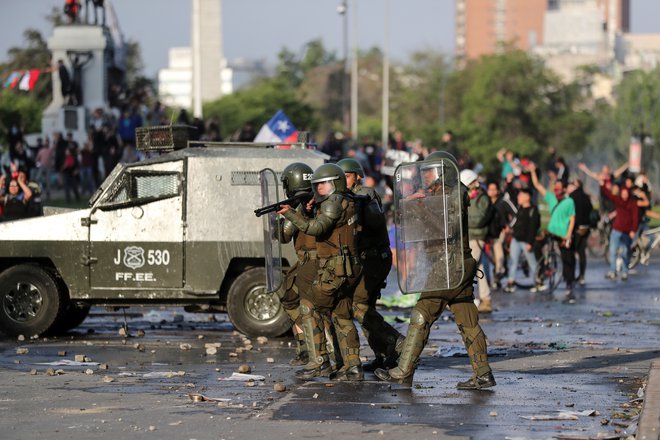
{"points": [[591, 357]]}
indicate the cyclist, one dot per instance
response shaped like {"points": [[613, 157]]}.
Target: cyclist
{"points": [[561, 224]]}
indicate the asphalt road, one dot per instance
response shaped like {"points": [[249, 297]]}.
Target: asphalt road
{"points": [[585, 362]]}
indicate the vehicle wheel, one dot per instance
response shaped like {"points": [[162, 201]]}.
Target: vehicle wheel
{"points": [[253, 311], [547, 270], [30, 301], [633, 260], [73, 316], [635, 256]]}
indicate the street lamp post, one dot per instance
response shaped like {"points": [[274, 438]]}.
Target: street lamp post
{"points": [[354, 76], [386, 78], [342, 9]]}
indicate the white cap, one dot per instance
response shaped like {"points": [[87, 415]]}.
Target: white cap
{"points": [[468, 176]]}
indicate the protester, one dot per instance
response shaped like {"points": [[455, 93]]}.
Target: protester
{"points": [[560, 226], [524, 230], [583, 209]]}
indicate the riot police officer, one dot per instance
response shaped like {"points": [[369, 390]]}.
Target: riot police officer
{"points": [[460, 298], [334, 226], [376, 256], [296, 178]]}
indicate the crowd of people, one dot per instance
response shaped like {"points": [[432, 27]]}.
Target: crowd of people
{"points": [[505, 219]]}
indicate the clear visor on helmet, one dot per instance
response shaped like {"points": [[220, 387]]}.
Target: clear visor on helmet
{"points": [[324, 187], [430, 174]]}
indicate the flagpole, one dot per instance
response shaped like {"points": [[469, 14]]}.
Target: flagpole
{"points": [[354, 76]]}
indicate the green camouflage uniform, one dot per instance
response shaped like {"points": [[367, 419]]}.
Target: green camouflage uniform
{"points": [[335, 229]]}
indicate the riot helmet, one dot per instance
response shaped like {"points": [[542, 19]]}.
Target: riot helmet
{"points": [[350, 165], [296, 177], [439, 166], [326, 180], [437, 155]]}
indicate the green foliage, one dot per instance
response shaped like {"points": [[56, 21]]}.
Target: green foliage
{"points": [[292, 68], [257, 104], [638, 104], [34, 55], [513, 101], [22, 109], [418, 97]]}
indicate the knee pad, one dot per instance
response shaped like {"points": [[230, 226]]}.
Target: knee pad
{"points": [[305, 308], [417, 319]]}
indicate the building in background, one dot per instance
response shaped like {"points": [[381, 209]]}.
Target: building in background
{"points": [[175, 83], [484, 26]]}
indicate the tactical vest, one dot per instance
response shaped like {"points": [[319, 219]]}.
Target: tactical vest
{"points": [[343, 235], [304, 242]]}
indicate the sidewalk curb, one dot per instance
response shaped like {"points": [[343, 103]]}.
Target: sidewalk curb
{"points": [[649, 419]]}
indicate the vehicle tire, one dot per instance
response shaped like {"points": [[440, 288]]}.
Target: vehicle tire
{"points": [[253, 311], [73, 316], [30, 300]]}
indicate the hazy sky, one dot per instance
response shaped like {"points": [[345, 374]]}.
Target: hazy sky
{"points": [[258, 29]]}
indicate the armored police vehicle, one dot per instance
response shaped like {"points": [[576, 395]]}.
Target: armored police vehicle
{"points": [[175, 229]]}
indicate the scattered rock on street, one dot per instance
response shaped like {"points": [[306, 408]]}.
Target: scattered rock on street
{"points": [[245, 368], [279, 387], [185, 346], [22, 350]]}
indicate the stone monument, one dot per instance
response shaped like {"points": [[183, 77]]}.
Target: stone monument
{"points": [[84, 54]]}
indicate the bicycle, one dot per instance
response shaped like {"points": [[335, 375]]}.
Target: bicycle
{"points": [[548, 267], [599, 237]]}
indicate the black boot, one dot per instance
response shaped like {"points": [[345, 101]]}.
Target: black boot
{"points": [[302, 358], [411, 349], [378, 362], [478, 382], [348, 374], [385, 376], [322, 370]]}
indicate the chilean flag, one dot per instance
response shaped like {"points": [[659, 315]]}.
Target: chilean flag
{"points": [[278, 129]]}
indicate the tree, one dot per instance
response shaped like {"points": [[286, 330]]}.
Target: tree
{"points": [[255, 105], [511, 100], [418, 95]]}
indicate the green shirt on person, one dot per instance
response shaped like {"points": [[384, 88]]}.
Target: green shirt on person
{"points": [[560, 213]]}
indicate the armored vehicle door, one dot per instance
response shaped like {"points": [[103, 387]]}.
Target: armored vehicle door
{"points": [[271, 227], [136, 230], [427, 197]]}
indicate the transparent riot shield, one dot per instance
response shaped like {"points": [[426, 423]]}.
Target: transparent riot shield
{"points": [[429, 234], [272, 247]]}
